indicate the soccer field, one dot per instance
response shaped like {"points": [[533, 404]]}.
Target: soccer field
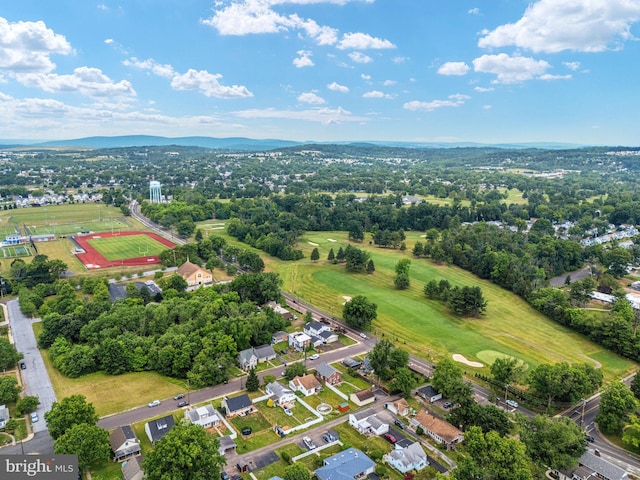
{"points": [[13, 251], [130, 246]]}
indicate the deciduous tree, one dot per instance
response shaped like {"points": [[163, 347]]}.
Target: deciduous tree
{"points": [[359, 312], [73, 410], [89, 442]]}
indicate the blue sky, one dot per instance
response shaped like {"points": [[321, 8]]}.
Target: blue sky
{"points": [[323, 70]]}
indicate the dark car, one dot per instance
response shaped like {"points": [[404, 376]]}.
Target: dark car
{"points": [[23, 365], [390, 438], [179, 396], [589, 439], [224, 475], [183, 403], [399, 424], [447, 405]]}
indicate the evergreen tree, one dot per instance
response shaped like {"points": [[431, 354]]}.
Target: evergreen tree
{"points": [[370, 266], [332, 256], [340, 256], [315, 255], [253, 383]]}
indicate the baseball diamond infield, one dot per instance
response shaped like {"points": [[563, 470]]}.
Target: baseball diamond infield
{"points": [[92, 259]]}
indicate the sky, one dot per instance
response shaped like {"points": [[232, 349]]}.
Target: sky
{"points": [[488, 71]]}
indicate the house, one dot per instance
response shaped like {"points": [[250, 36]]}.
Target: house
{"points": [[300, 341], [238, 406], [368, 423], [328, 374], [405, 459], [132, 468], [205, 416], [264, 353], [363, 397], [281, 310], [247, 359], [440, 430], [351, 362], [307, 385], [281, 395], [279, 337], [4, 416], [226, 444], [350, 464], [124, 443], [328, 336], [591, 466], [429, 393], [156, 429], [315, 328], [194, 274], [399, 407]]}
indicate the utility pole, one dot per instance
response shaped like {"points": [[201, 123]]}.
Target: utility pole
{"points": [[584, 403], [506, 391]]}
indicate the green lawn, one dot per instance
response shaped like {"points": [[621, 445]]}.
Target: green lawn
{"points": [[129, 246], [425, 327], [111, 394]]}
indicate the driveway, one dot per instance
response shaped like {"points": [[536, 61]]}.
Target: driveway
{"points": [[35, 377]]}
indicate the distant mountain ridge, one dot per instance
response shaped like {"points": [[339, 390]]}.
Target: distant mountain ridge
{"points": [[250, 144]]}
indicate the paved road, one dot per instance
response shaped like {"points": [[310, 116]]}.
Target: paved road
{"points": [[40, 444], [35, 377]]}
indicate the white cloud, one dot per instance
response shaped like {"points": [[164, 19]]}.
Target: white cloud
{"points": [[311, 98], [572, 65], [453, 68], [553, 26], [109, 41], [389, 83], [455, 100], [366, 77], [399, 60], [359, 57], [303, 60], [103, 7], [548, 76], [484, 89], [26, 47], [87, 81], [326, 116], [510, 69], [474, 11], [208, 84], [363, 41], [165, 71], [336, 87], [376, 94], [487, 107]]}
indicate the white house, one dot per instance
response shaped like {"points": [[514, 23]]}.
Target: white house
{"points": [[405, 459], [281, 395], [204, 416], [307, 385], [299, 340], [315, 328], [429, 393], [368, 423]]}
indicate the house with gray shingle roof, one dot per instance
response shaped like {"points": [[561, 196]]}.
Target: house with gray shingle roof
{"points": [[592, 466], [240, 405], [124, 443], [156, 429], [205, 416], [411, 457], [349, 464], [328, 374]]}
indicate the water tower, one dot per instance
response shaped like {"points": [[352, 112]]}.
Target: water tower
{"points": [[155, 192]]}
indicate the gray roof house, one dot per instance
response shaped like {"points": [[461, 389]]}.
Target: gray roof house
{"points": [[428, 392], [328, 374], [280, 394], [349, 464], [4, 416], [240, 405], [226, 443], [156, 429], [124, 443], [411, 457], [204, 416], [247, 359], [132, 468], [367, 422], [265, 353], [592, 466]]}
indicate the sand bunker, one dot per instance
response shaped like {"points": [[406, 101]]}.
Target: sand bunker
{"points": [[314, 244], [460, 358], [331, 240], [347, 298]]}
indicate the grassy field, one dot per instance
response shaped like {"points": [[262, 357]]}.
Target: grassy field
{"points": [[510, 327], [129, 246], [111, 394]]}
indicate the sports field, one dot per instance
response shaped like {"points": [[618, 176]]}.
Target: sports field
{"points": [[130, 246], [13, 251]]}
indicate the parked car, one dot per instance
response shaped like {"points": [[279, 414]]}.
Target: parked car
{"points": [[512, 403], [224, 475], [447, 405], [390, 438], [183, 403], [363, 335], [155, 403], [179, 396], [315, 356], [23, 365], [34, 417], [399, 424], [309, 443], [288, 412]]}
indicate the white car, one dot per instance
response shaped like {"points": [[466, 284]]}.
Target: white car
{"points": [[288, 412], [512, 403], [363, 335], [34, 417], [155, 403], [315, 356], [309, 443]]}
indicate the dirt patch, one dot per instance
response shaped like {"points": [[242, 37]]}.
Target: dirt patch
{"points": [[461, 358]]}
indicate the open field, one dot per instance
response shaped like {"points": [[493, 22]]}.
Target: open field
{"points": [[62, 219], [111, 394], [130, 246], [425, 327]]}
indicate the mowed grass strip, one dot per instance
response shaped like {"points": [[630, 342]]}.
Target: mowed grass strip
{"points": [[129, 246]]}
